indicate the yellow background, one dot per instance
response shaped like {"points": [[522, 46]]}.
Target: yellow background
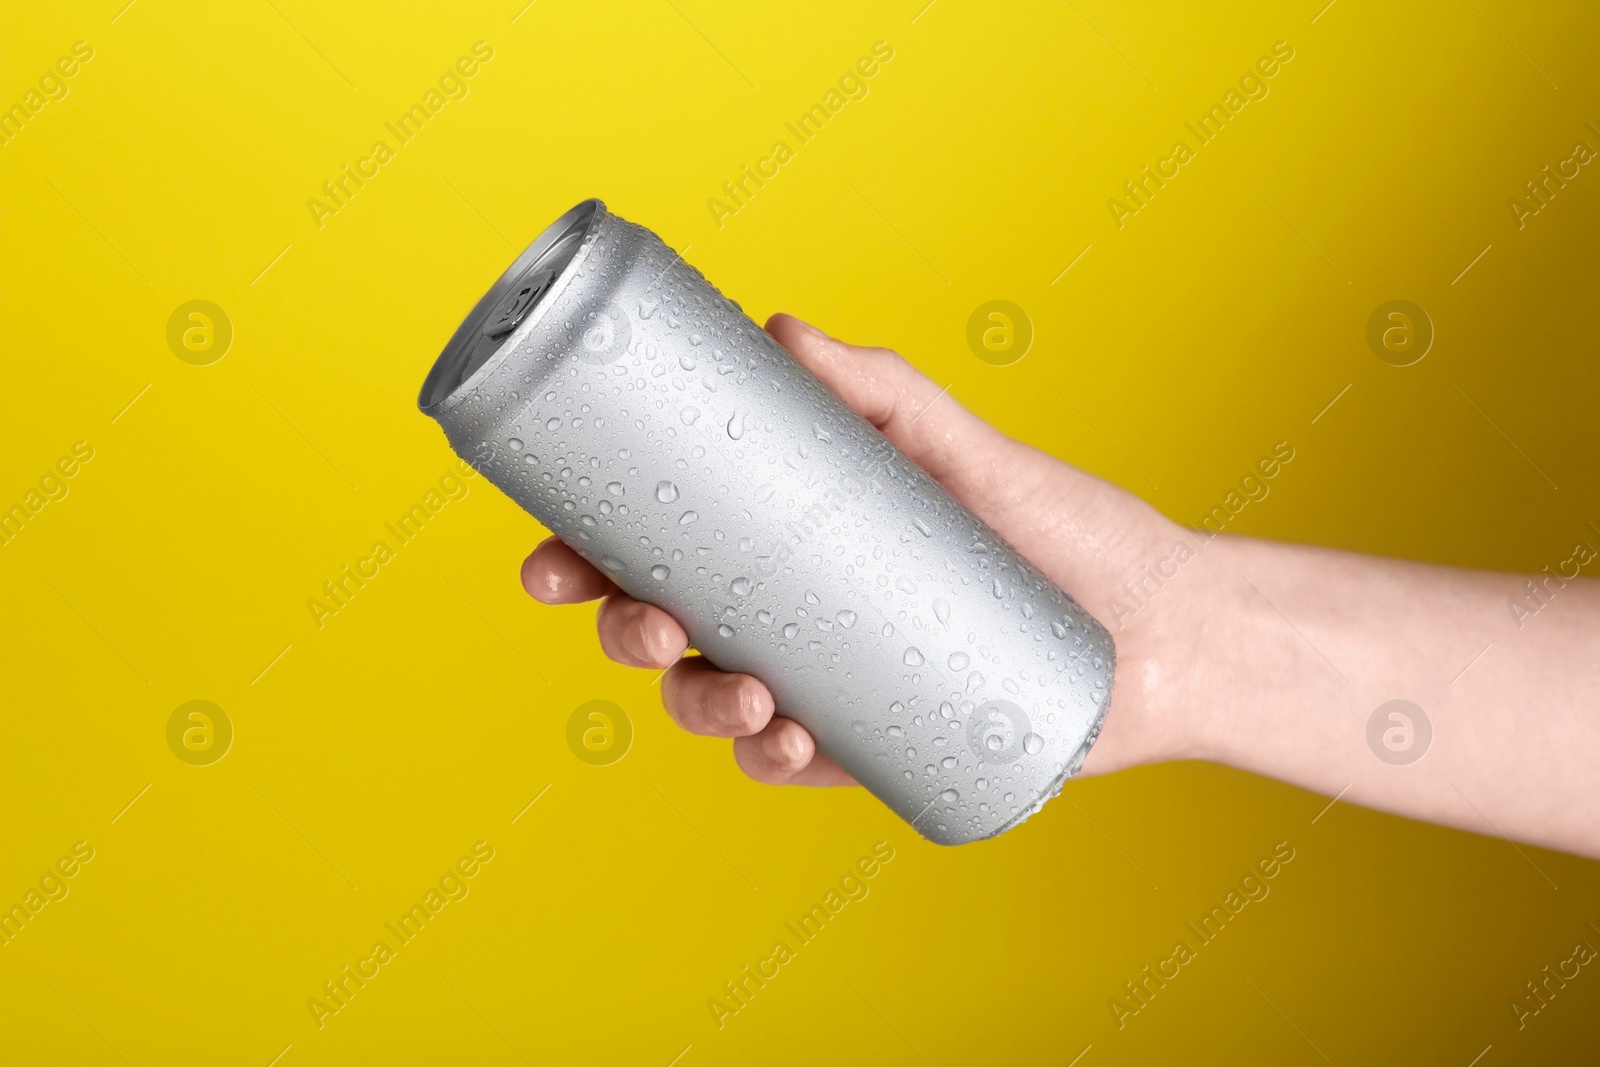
{"points": [[423, 718]]}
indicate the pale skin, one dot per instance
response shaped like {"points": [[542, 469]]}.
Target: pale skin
{"points": [[1260, 655]]}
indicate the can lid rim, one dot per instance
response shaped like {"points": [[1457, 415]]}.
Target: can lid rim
{"points": [[458, 372]]}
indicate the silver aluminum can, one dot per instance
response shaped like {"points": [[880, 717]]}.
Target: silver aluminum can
{"points": [[608, 388]]}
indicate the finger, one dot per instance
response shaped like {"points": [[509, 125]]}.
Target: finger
{"points": [[704, 700], [555, 574], [637, 634], [785, 754], [945, 439], [1082, 529]]}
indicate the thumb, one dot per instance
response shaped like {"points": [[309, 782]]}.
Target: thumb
{"points": [[1083, 531], [905, 405]]}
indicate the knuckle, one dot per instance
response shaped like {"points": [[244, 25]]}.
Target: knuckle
{"points": [[605, 629], [622, 632], [740, 702], [747, 754], [641, 633], [692, 704], [786, 749], [672, 697]]}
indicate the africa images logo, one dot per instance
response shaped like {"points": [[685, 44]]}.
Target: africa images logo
{"points": [[1000, 733]]}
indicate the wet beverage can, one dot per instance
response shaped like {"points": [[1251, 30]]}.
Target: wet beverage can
{"points": [[609, 389]]}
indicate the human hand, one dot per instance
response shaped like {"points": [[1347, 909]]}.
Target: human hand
{"points": [[1085, 534]]}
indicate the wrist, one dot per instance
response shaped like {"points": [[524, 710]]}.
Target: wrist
{"points": [[1170, 641], [1261, 625], [1196, 654]]}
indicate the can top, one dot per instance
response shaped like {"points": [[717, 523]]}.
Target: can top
{"points": [[507, 305]]}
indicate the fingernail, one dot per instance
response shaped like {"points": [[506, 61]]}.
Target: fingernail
{"points": [[809, 328]]}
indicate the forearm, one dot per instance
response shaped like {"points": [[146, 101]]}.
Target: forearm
{"points": [[1297, 647]]}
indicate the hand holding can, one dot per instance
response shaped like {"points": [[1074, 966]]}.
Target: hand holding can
{"points": [[670, 442]]}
